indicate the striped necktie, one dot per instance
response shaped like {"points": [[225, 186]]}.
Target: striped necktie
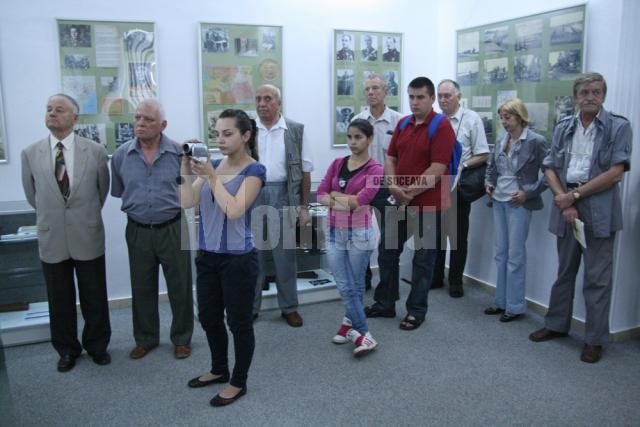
{"points": [[61, 172]]}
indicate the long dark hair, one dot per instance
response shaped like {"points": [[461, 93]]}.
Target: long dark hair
{"points": [[244, 124]]}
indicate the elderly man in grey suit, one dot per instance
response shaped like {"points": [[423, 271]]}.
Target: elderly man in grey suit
{"points": [[66, 179]]}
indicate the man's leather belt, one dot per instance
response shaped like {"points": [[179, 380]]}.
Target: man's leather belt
{"points": [[152, 226], [573, 185]]}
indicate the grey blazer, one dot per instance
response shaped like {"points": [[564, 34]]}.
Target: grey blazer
{"points": [[529, 171], [71, 229]]}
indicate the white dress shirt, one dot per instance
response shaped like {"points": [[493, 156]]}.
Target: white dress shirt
{"points": [[67, 153], [469, 130], [581, 152], [271, 150], [383, 128]]}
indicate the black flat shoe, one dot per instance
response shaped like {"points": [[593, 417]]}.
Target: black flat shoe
{"points": [[493, 310], [509, 317], [373, 311], [222, 401], [102, 358], [196, 383], [66, 363]]}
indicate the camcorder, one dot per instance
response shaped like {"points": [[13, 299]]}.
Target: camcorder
{"points": [[197, 150]]}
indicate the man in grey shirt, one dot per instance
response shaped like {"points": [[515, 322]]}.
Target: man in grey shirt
{"points": [[590, 153], [144, 174], [469, 130]]}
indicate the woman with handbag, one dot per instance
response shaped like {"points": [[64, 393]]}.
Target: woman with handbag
{"points": [[514, 180]]}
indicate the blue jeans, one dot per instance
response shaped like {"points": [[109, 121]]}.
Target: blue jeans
{"points": [[396, 231], [512, 228], [348, 252]]}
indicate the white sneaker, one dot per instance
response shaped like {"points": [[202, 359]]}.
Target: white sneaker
{"points": [[365, 344], [341, 335]]}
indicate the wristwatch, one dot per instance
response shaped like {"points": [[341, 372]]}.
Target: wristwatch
{"points": [[576, 195]]}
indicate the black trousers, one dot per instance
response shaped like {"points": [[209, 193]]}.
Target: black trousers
{"points": [[227, 282], [63, 317], [457, 230]]}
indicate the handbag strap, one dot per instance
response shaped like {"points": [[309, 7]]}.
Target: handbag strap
{"points": [[460, 123]]}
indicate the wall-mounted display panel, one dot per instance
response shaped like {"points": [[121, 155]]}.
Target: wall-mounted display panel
{"points": [[356, 56], [535, 58], [234, 61], [109, 67]]}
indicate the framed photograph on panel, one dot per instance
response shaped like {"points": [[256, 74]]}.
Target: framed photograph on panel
{"points": [[234, 61], [535, 58], [109, 67], [357, 55], [3, 133]]}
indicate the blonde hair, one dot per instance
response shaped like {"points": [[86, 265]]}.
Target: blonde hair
{"points": [[515, 107]]}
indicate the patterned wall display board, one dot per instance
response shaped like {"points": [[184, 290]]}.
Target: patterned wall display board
{"points": [[356, 56], [535, 58], [234, 61], [109, 67]]}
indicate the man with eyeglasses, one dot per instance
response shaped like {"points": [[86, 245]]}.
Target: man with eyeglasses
{"points": [[589, 155]]}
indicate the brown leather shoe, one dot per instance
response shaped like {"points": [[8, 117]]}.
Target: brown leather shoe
{"points": [[545, 334], [140, 351], [293, 319], [591, 353], [182, 351]]}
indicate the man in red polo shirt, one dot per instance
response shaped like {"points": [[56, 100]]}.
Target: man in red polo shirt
{"points": [[418, 170]]}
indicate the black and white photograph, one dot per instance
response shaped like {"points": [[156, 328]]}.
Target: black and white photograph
{"points": [[566, 28], [487, 122], [468, 44], [527, 68], [215, 40], [93, 131], [124, 133], [529, 35], [538, 116], [76, 61], [505, 95], [467, 73], [496, 40], [496, 70], [392, 82], [565, 64], [369, 47], [367, 74], [268, 39], [344, 114], [245, 46], [110, 84], [391, 49], [73, 35], [345, 47], [345, 81], [564, 107]]}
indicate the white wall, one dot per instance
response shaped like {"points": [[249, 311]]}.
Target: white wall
{"points": [[28, 72]]}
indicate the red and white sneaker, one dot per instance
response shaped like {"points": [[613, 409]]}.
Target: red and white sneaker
{"points": [[365, 344], [341, 335]]}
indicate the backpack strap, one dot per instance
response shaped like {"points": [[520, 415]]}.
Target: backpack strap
{"points": [[405, 122], [435, 122]]}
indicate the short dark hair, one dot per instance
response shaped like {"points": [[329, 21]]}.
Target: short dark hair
{"points": [[420, 82], [363, 126]]}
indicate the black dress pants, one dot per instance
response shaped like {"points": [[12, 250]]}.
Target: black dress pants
{"points": [[63, 317]]}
